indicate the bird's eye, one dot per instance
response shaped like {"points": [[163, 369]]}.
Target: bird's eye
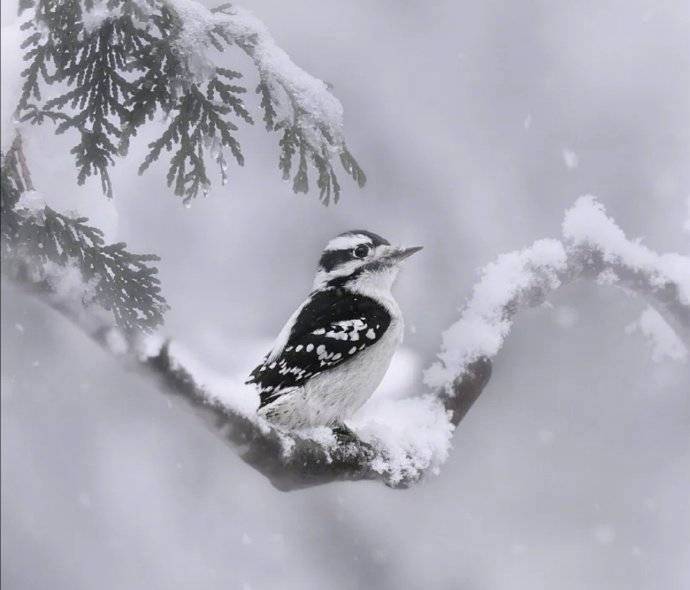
{"points": [[361, 251]]}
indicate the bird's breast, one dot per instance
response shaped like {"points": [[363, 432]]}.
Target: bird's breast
{"points": [[340, 392]]}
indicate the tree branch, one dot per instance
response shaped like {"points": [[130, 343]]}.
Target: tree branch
{"points": [[515, 281]]}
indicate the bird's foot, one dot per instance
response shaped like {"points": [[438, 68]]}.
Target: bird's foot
{"points": [[345, 435]]}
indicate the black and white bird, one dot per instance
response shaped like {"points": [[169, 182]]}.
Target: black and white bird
{"points": [[336, 347]]}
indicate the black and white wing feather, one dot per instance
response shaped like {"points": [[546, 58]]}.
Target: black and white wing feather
{"points": [[332, 327]]}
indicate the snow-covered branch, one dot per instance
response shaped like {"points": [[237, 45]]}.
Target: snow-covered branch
{"points": [[593, 247], [400, 441]]}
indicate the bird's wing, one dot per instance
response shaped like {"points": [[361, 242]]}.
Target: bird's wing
{"points": [[332, 327]]}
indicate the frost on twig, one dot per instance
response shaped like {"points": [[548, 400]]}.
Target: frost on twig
{"points": [[402, 440]]}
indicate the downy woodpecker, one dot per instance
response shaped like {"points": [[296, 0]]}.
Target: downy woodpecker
{"points": [[336, 347]]}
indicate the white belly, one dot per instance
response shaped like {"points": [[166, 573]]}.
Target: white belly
{"points": [[336, 394]]}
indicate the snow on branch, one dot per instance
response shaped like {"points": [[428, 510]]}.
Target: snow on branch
{"points": [[594, 247], [514, 280], [118, 64], [293, 101], [661, 337], [399, 441], [604, 253]]}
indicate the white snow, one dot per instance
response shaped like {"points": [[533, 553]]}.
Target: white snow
{"points": [[661, 337], [67, 283], [99, 13], [228, 390], [400, 379], [586, 224], [71, 292], [193, 40], [33, 201], [570, 158], [483, 324], [148, 345], [604, 534], [10, 72], [317, 107], [116, 342], [414, 433]]}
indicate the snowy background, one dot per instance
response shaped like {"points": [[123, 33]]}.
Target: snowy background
{"points": [[477, 125]]}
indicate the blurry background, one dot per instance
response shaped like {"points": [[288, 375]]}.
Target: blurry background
{"points": [[477, 124]]}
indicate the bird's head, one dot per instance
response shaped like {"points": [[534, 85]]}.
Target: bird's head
{"points": [[358, 257]]}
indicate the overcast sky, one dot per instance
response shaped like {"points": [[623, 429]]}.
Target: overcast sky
{"points": [[477, 124]]}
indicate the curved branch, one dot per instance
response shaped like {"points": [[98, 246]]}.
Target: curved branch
{"points": [[515, 281], [292, 461]]}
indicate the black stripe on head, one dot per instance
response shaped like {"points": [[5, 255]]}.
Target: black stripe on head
{"points": [[332, 258]]}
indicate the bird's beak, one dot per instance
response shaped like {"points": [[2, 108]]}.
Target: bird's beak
{"points": [[398, 254]]}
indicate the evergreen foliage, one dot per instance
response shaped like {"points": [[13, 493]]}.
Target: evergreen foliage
{"points": [[114, 65], [116, 71], [122, 282]]}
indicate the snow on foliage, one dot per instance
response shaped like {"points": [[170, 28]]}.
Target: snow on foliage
{"points": [[33, 202], [72, 293], [96, 15], [661, 337], [317, 108], [164, 56], [10, 81]]}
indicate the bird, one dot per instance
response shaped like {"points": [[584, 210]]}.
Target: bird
{"points": [[335, 349]]}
